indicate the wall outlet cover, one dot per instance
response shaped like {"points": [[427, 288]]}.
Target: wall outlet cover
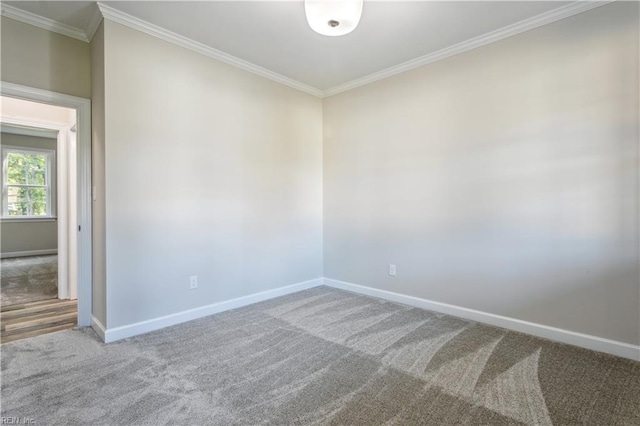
{"points": [[193, 282]]}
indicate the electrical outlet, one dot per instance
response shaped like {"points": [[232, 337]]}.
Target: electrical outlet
{"points": [[193, 282], [392, 270]]}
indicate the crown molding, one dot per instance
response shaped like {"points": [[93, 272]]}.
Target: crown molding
{"points": [[473, 43], [94, 23], [42, 22], [151, 29], [179, 40]]}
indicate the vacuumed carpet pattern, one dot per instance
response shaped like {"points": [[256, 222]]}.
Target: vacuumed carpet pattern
{"points": [[321, 356]]}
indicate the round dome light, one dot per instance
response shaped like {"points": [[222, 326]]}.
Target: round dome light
{"points": [[333, 17]]}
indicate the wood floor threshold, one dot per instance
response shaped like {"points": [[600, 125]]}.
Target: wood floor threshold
{"points": [[9, 321], [38, 332], [25, 305], [36, 318], [54, 323], [73, 316], [38, 309]]}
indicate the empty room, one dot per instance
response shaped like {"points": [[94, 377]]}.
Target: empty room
{"points": [[347, 212]]}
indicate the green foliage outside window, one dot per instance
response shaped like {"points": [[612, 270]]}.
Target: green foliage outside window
{"points": [[26, 184]]}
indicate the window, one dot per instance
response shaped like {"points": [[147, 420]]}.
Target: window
{"points": [[27, 182]]}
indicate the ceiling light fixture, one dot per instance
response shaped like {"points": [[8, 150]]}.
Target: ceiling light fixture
{"points": [[333, 17]]}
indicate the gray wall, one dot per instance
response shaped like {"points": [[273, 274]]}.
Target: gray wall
{"points": [[209, 171], [39, 58], [23, 235], [504, 179]]}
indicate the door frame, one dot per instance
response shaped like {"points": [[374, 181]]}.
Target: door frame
{"points": [[82, 106]]}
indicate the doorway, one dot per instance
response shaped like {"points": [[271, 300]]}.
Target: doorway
{"points": [[46, 226]]}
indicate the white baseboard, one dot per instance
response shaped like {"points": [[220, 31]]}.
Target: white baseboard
{"points": [[587, 341], [28, 253], [117, 333], [98, 327]]}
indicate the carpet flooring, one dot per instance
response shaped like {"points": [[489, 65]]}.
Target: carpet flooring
{"points": [[28, 279], [321, 356]]}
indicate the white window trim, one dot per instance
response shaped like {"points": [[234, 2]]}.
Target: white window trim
{"points": [[50, 181]]}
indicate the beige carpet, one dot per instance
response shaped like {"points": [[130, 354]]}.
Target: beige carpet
{"points": [[322, 356]]}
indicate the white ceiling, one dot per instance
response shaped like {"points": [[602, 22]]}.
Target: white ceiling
{"points": [[76, 14], [274, 34]]}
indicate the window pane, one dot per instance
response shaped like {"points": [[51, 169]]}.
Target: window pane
{"points": [[26, 168], [27, 201]]}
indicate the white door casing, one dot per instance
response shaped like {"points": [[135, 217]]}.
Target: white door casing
{"points": [[83, 250]]}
